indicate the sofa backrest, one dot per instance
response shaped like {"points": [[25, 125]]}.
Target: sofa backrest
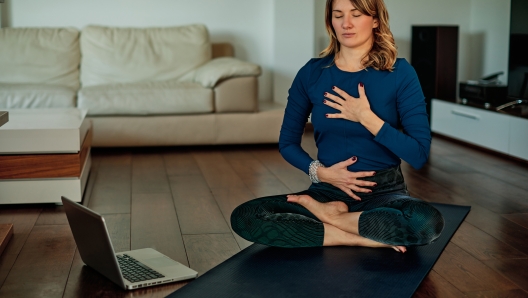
{"points": [[48, 56], [130, 55]]}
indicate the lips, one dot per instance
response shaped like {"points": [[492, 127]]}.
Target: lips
{"points": [[348, 34]]}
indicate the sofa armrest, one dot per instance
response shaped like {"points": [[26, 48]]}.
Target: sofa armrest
{"points": [[212, 72], [236, 95]]}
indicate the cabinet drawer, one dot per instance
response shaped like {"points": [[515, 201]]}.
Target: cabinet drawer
{"points": [[472, 125]]}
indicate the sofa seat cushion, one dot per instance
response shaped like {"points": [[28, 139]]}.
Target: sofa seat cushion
{"points": [[40, 56], [27, 96], [150, 98], [129, 55]]}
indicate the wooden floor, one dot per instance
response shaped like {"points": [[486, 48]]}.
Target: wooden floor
{"points": [[178, 201]]}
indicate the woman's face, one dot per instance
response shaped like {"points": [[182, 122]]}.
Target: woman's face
{"points": [[353, 29]]}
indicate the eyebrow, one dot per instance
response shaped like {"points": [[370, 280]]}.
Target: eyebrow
{"points": [[337, 10]]}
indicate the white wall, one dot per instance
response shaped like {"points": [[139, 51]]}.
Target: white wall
{"points": [[282, 35], [294, 42], [490, 30], [247, 24]]}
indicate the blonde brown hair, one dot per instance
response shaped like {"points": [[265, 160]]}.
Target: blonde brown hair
{"points": [[382, 55]]}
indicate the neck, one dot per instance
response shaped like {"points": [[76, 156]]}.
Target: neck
{"points": [[351, 59]]}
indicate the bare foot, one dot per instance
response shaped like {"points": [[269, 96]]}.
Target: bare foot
{"points": [[334, 236], [325, 212]]}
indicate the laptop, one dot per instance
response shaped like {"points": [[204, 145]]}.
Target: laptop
{"points": [[130, 269]]}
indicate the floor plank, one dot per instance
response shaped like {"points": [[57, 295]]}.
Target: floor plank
{"points": [[255, 175], [52, 215], [467, 273], [180, 163], [435, 286], [112, 190], [228, 199], [208, 250], [507, 192], [216, 170], [149, 174], [515, 270], [518, 218], [42, 268], [483, 246], [197, 210], [294, 179], [498, 294], [154, 224], [23, 219]]}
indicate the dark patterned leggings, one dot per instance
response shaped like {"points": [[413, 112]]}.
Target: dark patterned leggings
{"points": [[389, 216]]}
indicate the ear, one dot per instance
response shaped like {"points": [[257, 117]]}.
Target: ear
{"points": [[376, 23]]}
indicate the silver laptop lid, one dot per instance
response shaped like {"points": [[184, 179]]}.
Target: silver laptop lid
{"points": [[92, 239]]}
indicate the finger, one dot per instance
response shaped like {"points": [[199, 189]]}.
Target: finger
{"points": [[333, 105], [359, 189], [347, 162], [364, 183], [363, 174], [335, 98], [335, 116], [350, 193], [342, 93], [361, 89]]}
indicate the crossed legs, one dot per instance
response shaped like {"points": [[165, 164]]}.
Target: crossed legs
{"points": [[340, 226], [314, 218]]}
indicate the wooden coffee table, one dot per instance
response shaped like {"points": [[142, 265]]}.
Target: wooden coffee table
{"points": [[6, 230], [44, 154]]}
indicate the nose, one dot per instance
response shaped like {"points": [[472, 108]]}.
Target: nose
{"points": [[347, 22]]}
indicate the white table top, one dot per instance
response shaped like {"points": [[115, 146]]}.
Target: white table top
{"points": [[33, 131]]}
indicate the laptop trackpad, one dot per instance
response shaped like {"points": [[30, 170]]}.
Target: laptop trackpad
{"points": [[160, 262]]}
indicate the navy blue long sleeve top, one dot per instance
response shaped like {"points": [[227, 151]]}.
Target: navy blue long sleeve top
{"points": [[396, 97]]}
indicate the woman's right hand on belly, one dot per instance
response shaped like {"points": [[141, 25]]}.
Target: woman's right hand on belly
{"points": [[339, 176]]}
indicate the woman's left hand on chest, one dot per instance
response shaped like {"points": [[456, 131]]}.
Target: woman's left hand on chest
{"points": [[351, 108]]}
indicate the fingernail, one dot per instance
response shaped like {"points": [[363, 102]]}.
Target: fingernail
{"points": [[370, 191], [324, 101], [326, 93], [361, 84], [354, 158], [326, 115], [333, 87], [375, 184]]}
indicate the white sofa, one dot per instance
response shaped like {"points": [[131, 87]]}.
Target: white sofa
{"points": [[141, 86]]}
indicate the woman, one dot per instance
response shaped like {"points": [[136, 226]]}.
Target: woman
{"points": [[358, 93]]}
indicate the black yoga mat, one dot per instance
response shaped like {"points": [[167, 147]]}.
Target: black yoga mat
{"points": [[262, 271]]}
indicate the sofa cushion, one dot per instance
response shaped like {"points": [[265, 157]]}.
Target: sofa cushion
{"points": [[212, 72], [22, 96], [130, 55], [40, 56], [150, 98]]}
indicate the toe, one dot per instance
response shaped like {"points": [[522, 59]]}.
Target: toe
{"points": [[292, 198]]}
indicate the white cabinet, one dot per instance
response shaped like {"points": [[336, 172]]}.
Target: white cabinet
{"points": [[500, 132], [519, 137]]}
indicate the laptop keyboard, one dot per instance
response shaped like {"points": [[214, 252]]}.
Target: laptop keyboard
{"points": [[135, 271]]}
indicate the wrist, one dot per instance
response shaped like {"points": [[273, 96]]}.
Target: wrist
{"points": [[366, 116], [313, 172], [321, 171], [371, 122]]}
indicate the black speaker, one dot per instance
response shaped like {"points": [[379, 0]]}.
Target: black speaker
{"points": [[434, 56]]}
